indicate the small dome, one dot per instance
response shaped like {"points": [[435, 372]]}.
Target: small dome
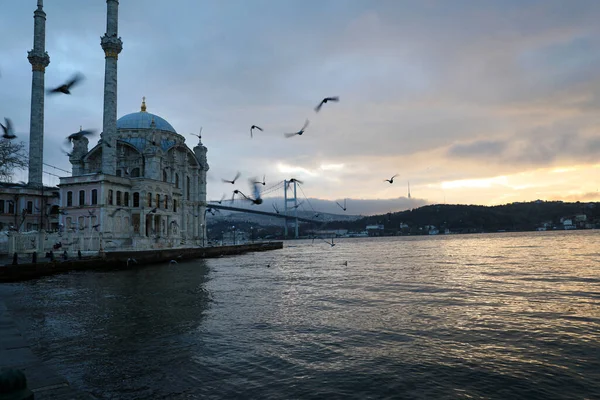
{"points": [[143, 120]]}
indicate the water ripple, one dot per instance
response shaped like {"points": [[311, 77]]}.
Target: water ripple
{"points": [[449, 317]]}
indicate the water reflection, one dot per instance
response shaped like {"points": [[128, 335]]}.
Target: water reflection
{"points": [[477, 316]]}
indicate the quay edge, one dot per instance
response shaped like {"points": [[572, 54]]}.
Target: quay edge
{"points": [[110, 260]]}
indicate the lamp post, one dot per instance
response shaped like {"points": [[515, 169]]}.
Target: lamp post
{"points": [[233, 235]]}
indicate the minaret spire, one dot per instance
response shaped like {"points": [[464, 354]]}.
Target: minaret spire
{"points": [[39, 59], [112, 45]]}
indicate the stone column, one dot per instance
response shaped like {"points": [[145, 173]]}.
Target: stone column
{"points": [[39, 59], [112, 46], [142, 224]]}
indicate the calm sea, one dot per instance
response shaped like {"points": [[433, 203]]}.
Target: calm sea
{"points": [[493, 316]]}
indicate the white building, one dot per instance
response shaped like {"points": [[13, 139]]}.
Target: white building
{"points": [[158, 190]]}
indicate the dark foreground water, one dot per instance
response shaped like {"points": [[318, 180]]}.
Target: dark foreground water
{"points": [[502, 316]]}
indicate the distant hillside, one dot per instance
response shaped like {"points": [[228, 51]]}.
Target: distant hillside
{"points": [[472, 218]]}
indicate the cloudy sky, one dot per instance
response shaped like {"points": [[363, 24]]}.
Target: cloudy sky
{"points": [[475, 102]]}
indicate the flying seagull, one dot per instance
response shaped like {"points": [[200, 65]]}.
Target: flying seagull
{"points": [[254, 127], [329, 243], [9, 132], [300, 132], [234, 179], [391, 180], [199, 136], [325, 100], [342, 207], [263, 181], [80, 134], [65, 89]]}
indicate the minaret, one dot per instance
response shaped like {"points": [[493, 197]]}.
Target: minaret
{"points": [[200, 151], [39, 59], [409, 189], [112, 45]]}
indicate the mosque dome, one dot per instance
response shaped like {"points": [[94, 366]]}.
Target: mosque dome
{"points": [[143, 120]]}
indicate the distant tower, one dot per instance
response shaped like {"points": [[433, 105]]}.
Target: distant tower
{"points": [[39, 59], [409, 189], [112, 45]]}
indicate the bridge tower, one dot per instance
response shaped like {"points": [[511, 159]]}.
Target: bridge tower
{"points": [[294, 200]]}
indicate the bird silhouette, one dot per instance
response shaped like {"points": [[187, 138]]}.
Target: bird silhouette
{"points": [[261, 183], [80, 134], [9, 132], [391, 180], [342, 207], [275, 208], [325, 100], [257, 200], [255, 127], [234, 179], [153, 211], [331, 244], [300, 132], [222, 198], [66, 152], [66, 88], [199, 136], [96, 227]]}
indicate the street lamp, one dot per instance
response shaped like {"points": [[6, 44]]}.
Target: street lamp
{"points": [[233, 235]]}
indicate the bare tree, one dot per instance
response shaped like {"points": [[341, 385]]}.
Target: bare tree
{"points": [[12, 157]]}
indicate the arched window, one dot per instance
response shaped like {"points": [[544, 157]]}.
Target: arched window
{"points": [[82, 197], [157, 200], [94, 196], [110, 197], [135, 173], [164, 175], [68, 223], [69, 199], [166, 201], [126, 199], [187, 187], [174, 205], [118, 197], [177, 181], [149, 199], [119, 173], [136, 199]]}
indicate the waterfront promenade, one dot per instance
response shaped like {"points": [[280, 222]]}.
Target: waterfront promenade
{"points": [[15, 353]]}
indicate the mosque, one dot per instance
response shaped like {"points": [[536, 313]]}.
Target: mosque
{"points": [[140, 186]]}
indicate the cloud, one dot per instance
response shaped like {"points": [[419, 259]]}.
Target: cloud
{"points": [[436, 91]]}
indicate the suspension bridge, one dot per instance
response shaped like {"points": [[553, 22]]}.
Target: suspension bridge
{"points": [[289, 212]]}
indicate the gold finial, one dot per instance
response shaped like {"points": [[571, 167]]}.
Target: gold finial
{"points": [[143, 104]]}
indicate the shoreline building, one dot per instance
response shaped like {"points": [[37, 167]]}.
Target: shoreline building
{"points": [[32, 206], [157, 191], [140, 186]]}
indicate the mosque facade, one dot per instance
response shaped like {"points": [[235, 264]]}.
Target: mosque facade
{"points": [[156, 194]]}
